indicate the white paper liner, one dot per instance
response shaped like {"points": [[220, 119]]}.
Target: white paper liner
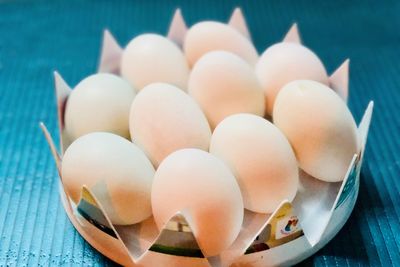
{"points": [[314, 205]]}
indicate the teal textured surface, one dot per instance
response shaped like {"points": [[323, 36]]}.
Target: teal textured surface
{"points": [[37, 37]]}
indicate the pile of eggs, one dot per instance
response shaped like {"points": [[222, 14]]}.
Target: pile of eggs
{"points": [[208, 130]]}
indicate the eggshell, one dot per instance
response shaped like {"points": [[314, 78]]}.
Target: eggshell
{"points": [[100, 102], [117, 172], [286, 62], [200, 186], [261, 159], [151, 58], [164, 119], [320, 128], [207, 36], [224, 84]]}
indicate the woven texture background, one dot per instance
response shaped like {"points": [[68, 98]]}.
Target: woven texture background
{"points": [[38, 37]]}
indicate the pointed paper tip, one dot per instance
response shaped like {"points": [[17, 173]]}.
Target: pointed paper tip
{"points": [[111, 53], [238, 21], [363, 127], [293, 35], [58, 160], [62, 87], [177, 29], [53, 149], [56, 75], [109, 39], [338, 200], [62, 92], [368, 113], [107, 35], [370, 107], [339, 80]]}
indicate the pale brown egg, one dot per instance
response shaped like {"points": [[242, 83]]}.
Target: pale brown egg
{"points": [[208, 36], [224, 84], [285, 62], [261, 159], [100, 102], [164, 119], [319, 127], [151, 58], [204, 190], [115, 170]]}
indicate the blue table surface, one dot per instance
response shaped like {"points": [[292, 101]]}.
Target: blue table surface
{"points": [[38, 37]]}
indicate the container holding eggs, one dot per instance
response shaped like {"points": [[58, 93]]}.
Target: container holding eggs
{"points": [[193, 150]]}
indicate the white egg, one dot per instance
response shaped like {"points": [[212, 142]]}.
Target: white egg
{"points": [[286, 62], [100, 102], [164, 119], [116, 171], [151, 58], [261, 159], [224, 84], [207, 36], [320, 128], [200, 186]]}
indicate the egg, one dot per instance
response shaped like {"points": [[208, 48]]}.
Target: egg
{"points": [[260, 158], [115, 170], [224, 84], [151, 58], [207, 36], [320, 128], [164, 119], [100, 102], [204, 190], [285, 62]]}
